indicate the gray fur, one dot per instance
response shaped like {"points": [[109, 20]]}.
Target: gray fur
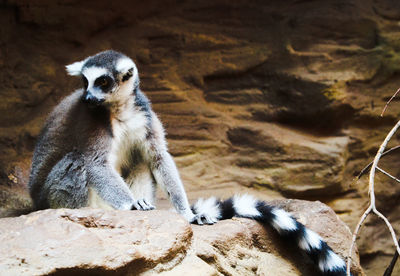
{"points": [[65, 185], [113, 150]]}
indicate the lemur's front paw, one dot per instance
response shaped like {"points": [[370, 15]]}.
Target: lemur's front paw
{"points": [[201, 219], [142, 204], [207, 211]]}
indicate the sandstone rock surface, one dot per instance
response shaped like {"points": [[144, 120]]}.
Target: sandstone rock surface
{"points": [[92, 242], [95, 241]]}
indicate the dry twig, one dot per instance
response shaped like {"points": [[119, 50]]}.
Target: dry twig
{"points": [[388, 174], [388, 102], [389, 269], [364, 170], [372, 206]]}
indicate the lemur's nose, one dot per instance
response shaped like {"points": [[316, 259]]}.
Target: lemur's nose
{"points": [[88, 97]]}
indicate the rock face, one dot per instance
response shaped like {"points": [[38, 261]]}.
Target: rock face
{"points": [[277, 98], [92, 242]]}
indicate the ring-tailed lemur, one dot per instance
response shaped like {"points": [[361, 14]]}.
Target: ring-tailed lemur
{"points": [[103, 146]]}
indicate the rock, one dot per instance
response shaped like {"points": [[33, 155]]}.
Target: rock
{"points": [[243, 247], [90, 241]]}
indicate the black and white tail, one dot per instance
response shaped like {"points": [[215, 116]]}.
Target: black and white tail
{"points": [[211, 210]]}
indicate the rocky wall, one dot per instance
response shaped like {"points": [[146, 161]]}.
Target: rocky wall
{"points": [[275, 98]]}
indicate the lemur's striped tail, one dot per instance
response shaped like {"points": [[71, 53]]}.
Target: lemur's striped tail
{"points": [[211, 210]]}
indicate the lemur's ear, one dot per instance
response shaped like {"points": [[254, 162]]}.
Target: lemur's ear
{"points": [[75, 69], [126, 68]]}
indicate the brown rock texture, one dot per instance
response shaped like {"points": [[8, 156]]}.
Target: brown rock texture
{"points": [[93, 242], [275, 98], [63, 242]]}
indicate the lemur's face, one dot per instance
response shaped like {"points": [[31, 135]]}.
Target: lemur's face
{"points": [[108, 78]]}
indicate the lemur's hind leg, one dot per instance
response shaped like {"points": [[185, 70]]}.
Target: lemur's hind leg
{"points": [[66, 185], [141, 183]]}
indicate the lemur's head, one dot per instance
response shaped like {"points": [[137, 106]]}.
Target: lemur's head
{"points": [[108, 77]]}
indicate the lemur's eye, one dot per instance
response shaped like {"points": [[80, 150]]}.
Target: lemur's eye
{"points": [[85, 82], [104, 82]]}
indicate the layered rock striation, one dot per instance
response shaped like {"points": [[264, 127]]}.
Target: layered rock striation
{"points": [[279, 99]]}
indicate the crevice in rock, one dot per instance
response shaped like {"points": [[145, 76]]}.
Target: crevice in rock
{"points": [[89, 222]]}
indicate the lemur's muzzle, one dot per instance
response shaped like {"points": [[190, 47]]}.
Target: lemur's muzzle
{"points": [[91, 99]]}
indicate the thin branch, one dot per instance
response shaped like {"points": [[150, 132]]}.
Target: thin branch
{"points": [[354, 238], [389, 269], [388, 102], [388, 174], [372, 182], [376, 160], [372, 199], [366, 168], [390, 229]]}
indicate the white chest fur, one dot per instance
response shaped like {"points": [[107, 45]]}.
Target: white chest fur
{"points": [[129, 131]]}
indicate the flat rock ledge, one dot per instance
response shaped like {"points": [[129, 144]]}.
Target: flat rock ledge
{"points": [[98, 242]]}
